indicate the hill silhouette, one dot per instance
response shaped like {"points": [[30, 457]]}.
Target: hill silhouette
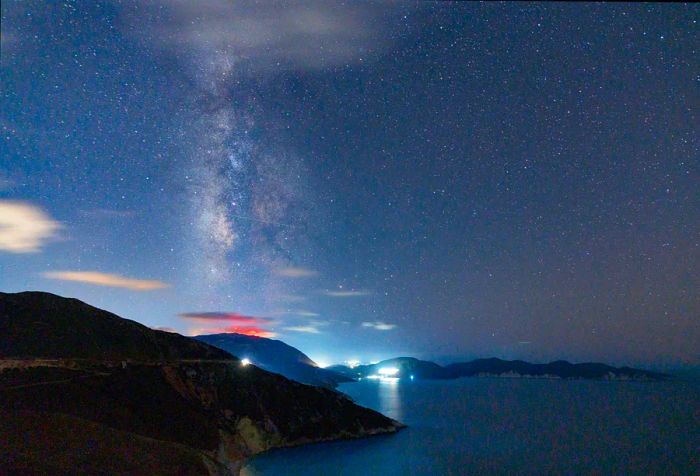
{"points": [[275, 356]]}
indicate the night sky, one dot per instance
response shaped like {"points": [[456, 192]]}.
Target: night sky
{"points": [[362, 181]]}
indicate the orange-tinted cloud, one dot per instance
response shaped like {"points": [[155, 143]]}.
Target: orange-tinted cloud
{"points": [[249, 331], [106, 279], [229, 322]]}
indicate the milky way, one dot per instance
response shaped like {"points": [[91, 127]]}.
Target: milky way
{"points": [[249, 201]]}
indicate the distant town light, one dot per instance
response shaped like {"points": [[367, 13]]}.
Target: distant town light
{"points": [[388, 371], [245, 362]]}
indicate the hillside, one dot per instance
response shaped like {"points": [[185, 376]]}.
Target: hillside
{"points": [[142, 399], [275, 356]]}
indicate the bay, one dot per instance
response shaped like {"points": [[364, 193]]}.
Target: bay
{"points": [[511, 426]]}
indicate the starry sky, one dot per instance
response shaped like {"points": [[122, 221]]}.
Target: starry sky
{"points": [[362, 180]]}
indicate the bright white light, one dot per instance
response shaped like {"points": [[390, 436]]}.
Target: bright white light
{"points": [[352, 363], [322, 364], [383, 378], [245, 362], [388, 371]]}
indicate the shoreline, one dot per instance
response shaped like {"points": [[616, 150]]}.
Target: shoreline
{"points": [[381, 432]]}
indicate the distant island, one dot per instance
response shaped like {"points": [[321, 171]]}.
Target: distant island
{"points": [[83, 391], [409, 367]]}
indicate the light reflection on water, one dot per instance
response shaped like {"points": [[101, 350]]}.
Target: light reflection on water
{"points": [[389, 399]]}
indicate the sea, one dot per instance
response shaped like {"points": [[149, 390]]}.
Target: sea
{"points": [[511, 426]]}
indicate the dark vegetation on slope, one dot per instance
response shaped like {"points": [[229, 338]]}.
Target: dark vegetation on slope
{"points": [[33, 445]]}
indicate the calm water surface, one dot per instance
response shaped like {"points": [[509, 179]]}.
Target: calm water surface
{"points": [[507, 426]]}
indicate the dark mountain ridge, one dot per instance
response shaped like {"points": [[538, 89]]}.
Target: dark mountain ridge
{"points": [[43, 325], [493, 367], [84, 391], [275, 356]]}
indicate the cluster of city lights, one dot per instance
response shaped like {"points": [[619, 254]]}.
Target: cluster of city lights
{"points": [[385, 373]]}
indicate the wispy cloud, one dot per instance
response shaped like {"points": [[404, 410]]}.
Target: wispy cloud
{"points": [[25, 228], [166, 329], [106, 279], [379, 325], [229, 322], [346, 294], [308, 35], [294, 312], [305, 329], [294, 272], [303, 313]]}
